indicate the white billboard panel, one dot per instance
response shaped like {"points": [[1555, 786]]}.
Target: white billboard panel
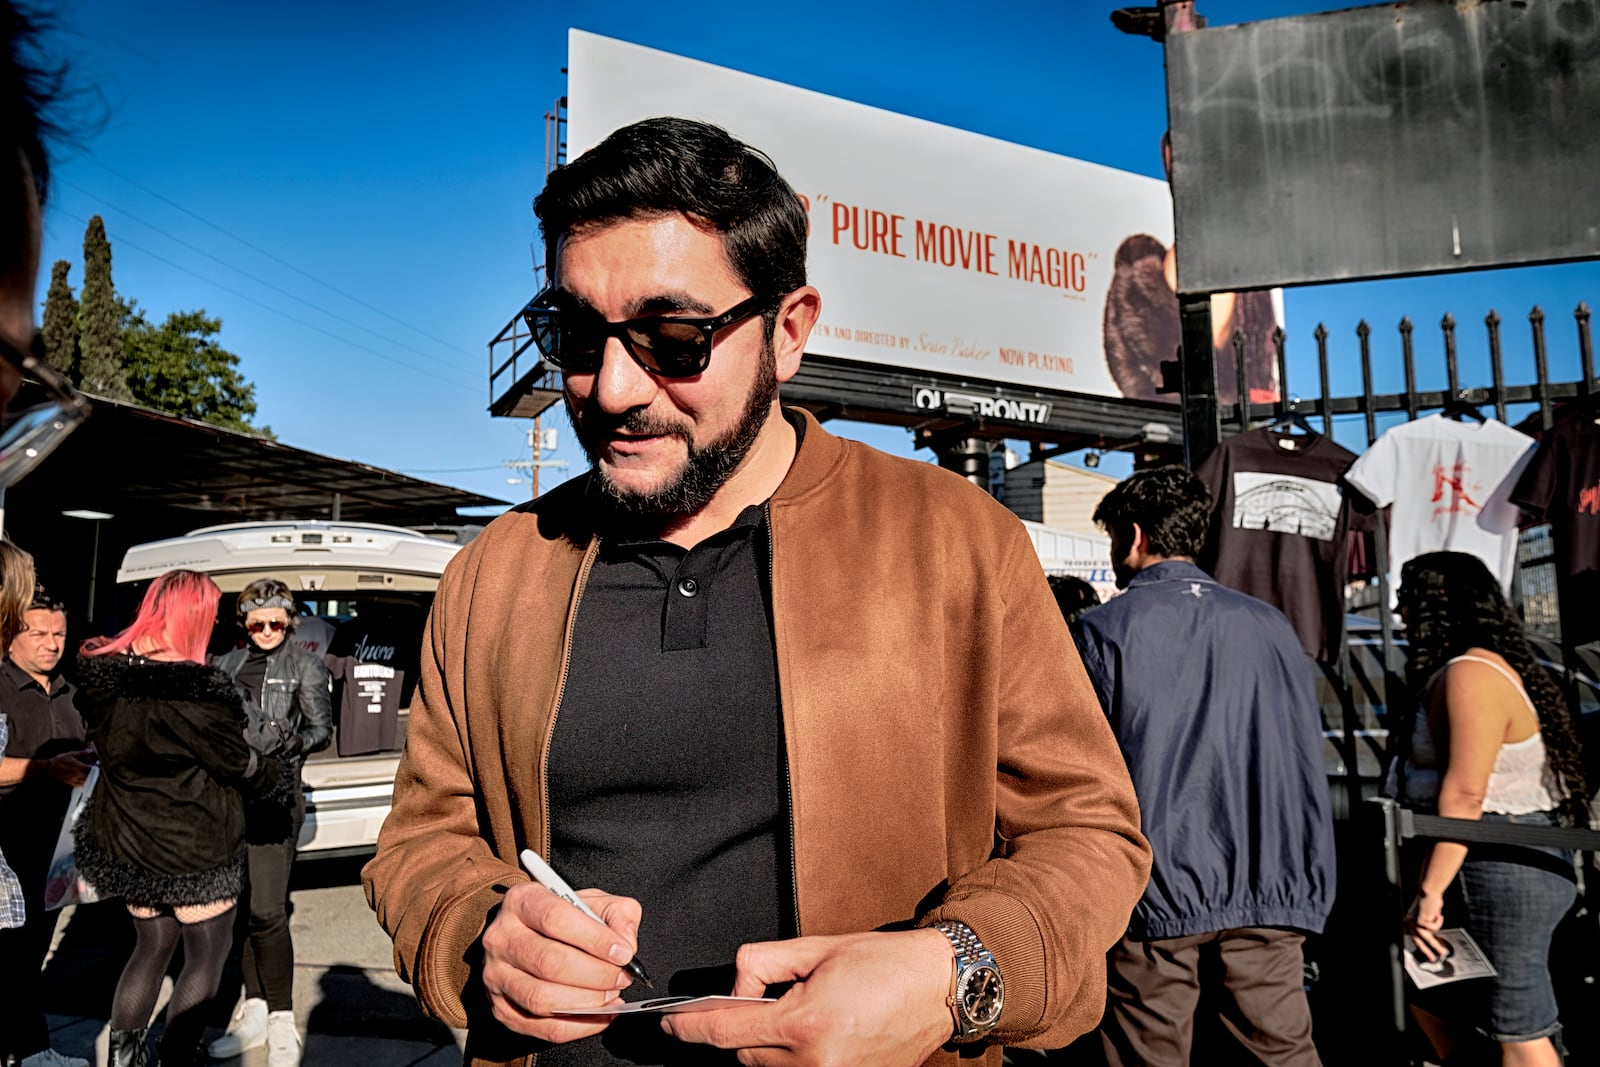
{"points": [[935, 249]]}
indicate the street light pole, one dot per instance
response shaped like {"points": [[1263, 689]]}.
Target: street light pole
{"points": [[97, 517]]}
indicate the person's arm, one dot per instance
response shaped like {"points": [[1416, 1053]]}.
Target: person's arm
{"points": [[316, 703], [71, 768], [1479, 703], [1069, 865]]}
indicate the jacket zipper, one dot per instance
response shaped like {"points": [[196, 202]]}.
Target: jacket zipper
{"points": [[561, 688], [788, 781]]}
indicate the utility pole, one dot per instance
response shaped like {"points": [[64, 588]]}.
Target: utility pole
{"points": [[540, 441]]}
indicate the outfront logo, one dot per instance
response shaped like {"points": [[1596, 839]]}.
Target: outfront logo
{"points": [[988, 407]]}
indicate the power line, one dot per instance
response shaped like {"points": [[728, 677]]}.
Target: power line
{"points": [[258, 280], [276, 311], [276, 259]]}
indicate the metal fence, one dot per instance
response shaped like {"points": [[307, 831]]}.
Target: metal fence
{"points": [[1367, 688]]}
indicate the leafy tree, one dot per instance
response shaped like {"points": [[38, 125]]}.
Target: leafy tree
{"points": [[99, 320], [179, 368], [61, 323]]}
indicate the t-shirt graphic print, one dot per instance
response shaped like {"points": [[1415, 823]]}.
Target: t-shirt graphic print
{"points": [[1448, 485]]}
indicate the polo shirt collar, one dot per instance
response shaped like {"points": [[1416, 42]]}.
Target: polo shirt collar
{"points": [[23, 679]]}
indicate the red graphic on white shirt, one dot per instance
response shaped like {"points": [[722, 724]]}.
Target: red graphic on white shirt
{"points": [[1455, 480], [1589, 500]]}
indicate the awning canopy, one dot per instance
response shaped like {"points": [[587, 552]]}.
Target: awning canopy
{"points": [[130, 475]]}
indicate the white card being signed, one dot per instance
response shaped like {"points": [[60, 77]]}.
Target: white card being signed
{"points": [[670, 1005]]}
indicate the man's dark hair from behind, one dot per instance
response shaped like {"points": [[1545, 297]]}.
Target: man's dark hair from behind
{"points": [[1170, 504], [664, 166], [1074, 596], [28, 87]]}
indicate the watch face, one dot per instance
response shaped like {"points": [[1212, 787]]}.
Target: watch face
{"points": [[981, 996]]}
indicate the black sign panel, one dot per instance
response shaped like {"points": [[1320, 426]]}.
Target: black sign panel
{"points": [[1410, 138]]}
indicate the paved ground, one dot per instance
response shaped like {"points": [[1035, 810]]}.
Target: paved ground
{"points": [[350, 1005]]}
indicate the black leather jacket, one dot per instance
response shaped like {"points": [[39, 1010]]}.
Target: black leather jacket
{"points": [[297, 694]]}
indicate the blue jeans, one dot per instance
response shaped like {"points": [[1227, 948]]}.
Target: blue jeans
{"points": [[1510, 899]]}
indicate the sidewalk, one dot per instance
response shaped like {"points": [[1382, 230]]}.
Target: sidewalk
{"points": [[348, 1002]]}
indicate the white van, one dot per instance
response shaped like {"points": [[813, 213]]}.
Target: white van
{"points": [[338, 570]]}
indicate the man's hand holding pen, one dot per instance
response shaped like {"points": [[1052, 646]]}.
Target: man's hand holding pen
{"points": [[542, 955]]}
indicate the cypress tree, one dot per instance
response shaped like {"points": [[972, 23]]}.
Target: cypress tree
{"points": [[61, 323], [99, 323]]}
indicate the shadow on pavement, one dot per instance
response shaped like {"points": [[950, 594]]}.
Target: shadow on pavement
{"points": [[352, 1006], [93, 943]]}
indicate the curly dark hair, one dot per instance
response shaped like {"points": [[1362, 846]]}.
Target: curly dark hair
{"points": [[1170, 504], [1456, 604]]}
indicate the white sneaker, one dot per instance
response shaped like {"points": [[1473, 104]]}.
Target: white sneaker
{"points": [[283, 1040], [247, 1029], [51, 1058]]}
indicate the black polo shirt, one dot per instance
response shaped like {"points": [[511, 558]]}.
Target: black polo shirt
{"points": [[41, 724], [667, 771]]}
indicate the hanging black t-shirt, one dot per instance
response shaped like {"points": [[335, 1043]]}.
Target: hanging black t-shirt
{"points": [[369, 704], [1562, 486], [1279, 528]]}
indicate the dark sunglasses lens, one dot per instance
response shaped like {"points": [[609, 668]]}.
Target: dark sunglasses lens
{"points": [[274, 625], [564, 341], [670, 349]]}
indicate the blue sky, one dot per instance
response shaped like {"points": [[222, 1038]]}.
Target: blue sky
{"points": [[347, 184]]}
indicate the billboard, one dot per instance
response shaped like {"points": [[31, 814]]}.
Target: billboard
{"points": [[1404, 138], [935, 249]]}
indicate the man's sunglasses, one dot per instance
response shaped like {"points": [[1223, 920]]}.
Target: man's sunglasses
{"points": [[28, 436], [667, 347], [275, 625]]}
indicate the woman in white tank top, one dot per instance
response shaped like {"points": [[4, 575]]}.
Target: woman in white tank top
{"points": [[1493, 739]]}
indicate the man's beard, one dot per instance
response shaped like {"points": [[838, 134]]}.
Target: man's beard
{"points": [[705, 470]]}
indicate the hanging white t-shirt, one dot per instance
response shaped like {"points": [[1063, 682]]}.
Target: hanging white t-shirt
{"points": [[1448, 485]]}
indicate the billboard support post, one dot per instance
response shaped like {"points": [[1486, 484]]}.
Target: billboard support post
{"points": [[967, 456], [1202, 428]]}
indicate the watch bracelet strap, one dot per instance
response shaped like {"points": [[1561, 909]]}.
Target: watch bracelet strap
{"points": [[968, 950]]}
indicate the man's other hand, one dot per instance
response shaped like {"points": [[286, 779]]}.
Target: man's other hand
{"points": [[70, 767], [872, 998], [542, 955]]}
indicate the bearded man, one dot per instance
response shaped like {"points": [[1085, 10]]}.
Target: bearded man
{"points": [[802, 716]]}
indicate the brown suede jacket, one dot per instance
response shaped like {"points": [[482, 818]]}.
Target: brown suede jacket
{"points": [[948, 758]]}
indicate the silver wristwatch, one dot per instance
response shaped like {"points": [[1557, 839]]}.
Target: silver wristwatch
{"points": [[977, 992]]}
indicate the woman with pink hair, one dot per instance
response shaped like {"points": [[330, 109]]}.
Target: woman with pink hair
{"points": [[165, 827]]}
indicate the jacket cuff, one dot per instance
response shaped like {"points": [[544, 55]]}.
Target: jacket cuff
{"points": [[1009, 931], [448, 978]]}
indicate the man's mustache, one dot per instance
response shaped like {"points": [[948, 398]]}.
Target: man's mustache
{"points": [[598, 423]]}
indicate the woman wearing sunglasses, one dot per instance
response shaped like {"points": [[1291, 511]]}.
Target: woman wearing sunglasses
{"points": [[291, 691]]}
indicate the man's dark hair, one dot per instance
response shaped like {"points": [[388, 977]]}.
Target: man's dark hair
{"points": [[28, 88], [44, 602], [667, 166], [1169, 504]]}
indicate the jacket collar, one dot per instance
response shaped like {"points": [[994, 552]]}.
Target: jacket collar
{"points": [[1173, 570]]}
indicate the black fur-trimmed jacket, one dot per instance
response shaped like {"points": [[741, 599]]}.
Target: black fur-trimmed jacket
{"points": [[166, 823]]}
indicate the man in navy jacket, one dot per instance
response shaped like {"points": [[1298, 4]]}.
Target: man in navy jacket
{"points": [[1212, 702]]}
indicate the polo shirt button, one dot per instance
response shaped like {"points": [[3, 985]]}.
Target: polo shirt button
{"points": [[688, 587]]}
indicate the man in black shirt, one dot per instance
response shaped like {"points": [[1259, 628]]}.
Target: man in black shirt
{"points": [[785, 709], [44, 759]]}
